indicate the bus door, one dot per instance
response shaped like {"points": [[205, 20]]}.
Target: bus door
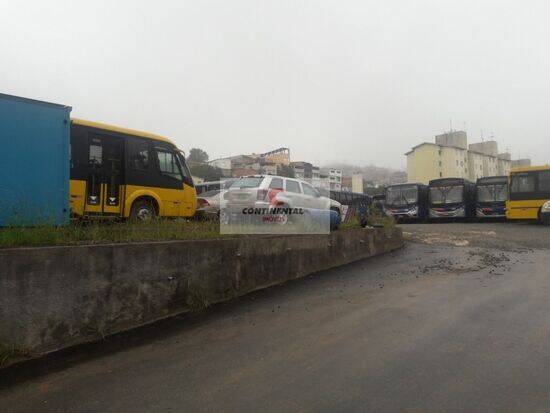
{"points": [[104, 185]]}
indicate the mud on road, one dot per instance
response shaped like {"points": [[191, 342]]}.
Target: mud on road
{"points": [[504, 236], [491, 246]]}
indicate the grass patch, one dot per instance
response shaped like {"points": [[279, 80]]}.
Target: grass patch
{"points": [[374, 218], [105, 232], [377, 218], [86, 233], [352, 222], [380, 221], [8, 354], [197, 298]]}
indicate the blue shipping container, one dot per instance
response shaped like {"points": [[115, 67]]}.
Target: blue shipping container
{"points": [[34, 162]]}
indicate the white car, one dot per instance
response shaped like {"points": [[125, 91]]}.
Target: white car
{"points": [[209, 203], [264, 193], [545, 213]]}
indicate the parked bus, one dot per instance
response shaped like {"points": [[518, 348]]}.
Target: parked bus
{"points": [[125, 173], [407, 201], [529, 193], [491, 197], [379, 201], [452, 198]]}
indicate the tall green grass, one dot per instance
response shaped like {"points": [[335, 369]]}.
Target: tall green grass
{"points": [[107, 232]]}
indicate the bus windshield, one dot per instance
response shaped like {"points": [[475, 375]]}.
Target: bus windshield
{"points": [[446, 194], [492, 193], [403, 195]]}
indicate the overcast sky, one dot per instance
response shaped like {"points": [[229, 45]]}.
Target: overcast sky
{"points": [[357, 81]]}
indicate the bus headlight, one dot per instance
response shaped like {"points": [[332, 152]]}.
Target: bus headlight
{"points": [[546, 207], [413, 211]]}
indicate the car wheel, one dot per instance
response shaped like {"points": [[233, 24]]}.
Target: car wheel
{"points": [[143, 210]]}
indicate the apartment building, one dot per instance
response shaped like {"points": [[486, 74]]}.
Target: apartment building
{"points": [[451, 157], [357, 183], [505, 163], [335, 179], [302, 170]]}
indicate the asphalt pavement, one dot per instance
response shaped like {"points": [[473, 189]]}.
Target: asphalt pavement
{"points": [[457, 321]]}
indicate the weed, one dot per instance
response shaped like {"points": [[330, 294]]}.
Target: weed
{"points": [[8, 354], [196, 298], [107, 232]]}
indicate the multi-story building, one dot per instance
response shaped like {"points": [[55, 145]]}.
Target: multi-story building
{"points": [[346, 184], [429, 161], [317, 179], [279, 156], [303, 170], [266, 163], [315, 172], [335, 179], [475, 166], [504, 163], [488, 154], [357, 182], [224, 164], [451, 157], [269, 168]]}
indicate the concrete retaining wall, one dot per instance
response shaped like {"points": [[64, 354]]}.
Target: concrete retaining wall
{"points": [[55, 297]]}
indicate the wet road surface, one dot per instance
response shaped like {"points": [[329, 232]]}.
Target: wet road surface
{"points": [[459, 320]]}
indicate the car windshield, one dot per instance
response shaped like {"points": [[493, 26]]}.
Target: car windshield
{"points": [[227, 183], [248, 182], [446, 194], [404, 195], [492, 193]]}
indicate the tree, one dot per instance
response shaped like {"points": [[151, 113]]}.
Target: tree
{"points": [[197, 155], [207, 172], [285, 170]]}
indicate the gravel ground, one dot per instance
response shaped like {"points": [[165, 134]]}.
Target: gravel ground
{"points": [[504, 236]]}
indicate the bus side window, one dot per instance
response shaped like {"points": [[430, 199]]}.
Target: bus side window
{"points": [[523, 183], [544, 181], [138, 154], [168, 164], [96, 154]]}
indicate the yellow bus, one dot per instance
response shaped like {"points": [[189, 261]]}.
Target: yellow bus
{"points": [[529, 192], [125, 173]]}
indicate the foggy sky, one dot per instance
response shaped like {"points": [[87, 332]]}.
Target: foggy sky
{"points": [[357, 81]]}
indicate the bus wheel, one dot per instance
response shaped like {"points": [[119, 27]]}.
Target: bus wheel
{"points": [[541, 219], [143, 210]]}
